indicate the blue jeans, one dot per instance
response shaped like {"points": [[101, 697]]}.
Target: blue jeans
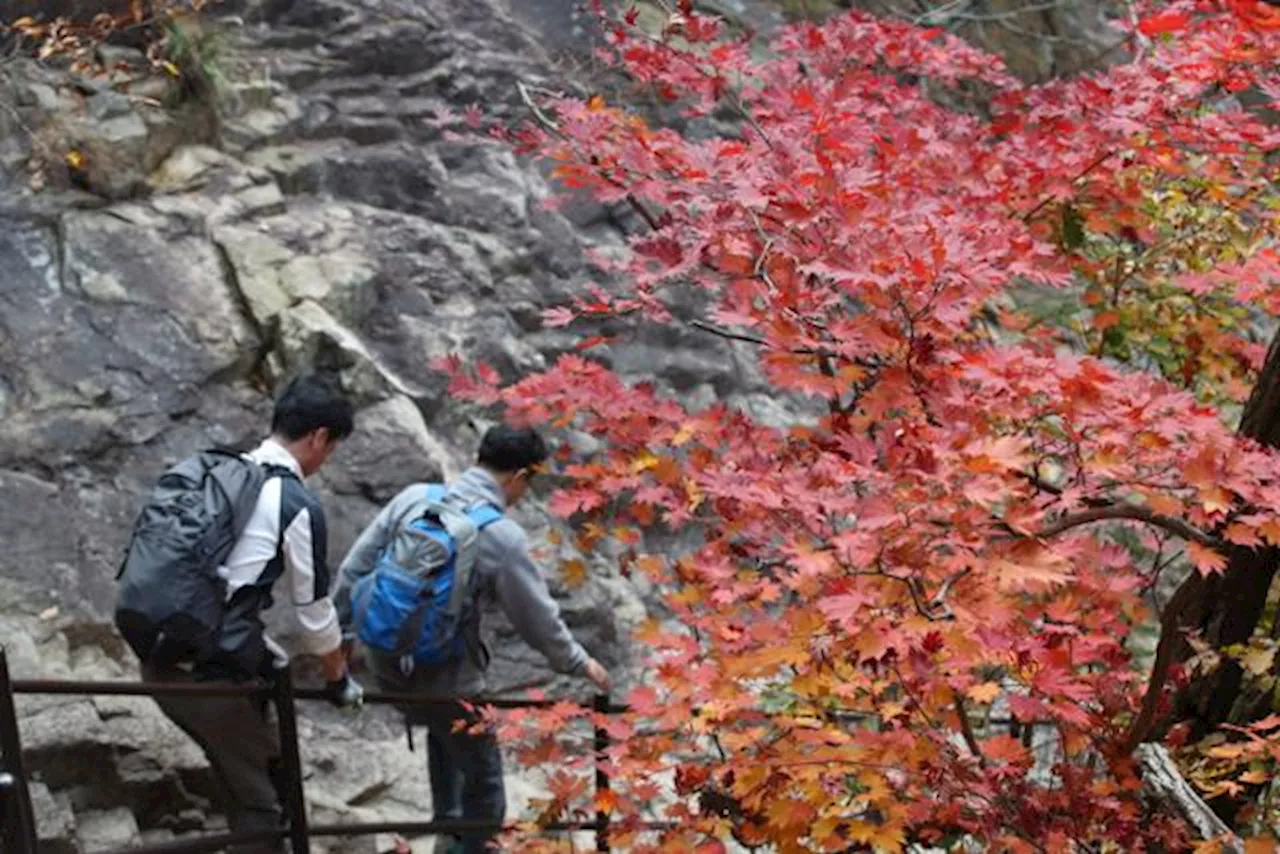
{"points": [[465, 767], [466, 773]]}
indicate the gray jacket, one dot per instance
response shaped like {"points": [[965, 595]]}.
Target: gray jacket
{"points": [[504, 573]]}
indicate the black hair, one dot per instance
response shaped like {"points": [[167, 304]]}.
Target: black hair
{"points": [[509, 449], [310, 402]]}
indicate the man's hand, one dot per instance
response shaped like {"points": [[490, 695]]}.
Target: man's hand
{"points": [[595, 671], [345, 693], [349, 657]]}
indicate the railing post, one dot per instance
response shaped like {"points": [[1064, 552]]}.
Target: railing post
{"points": [[295, 803], [20, 816], [8, 811], [601, 704]]}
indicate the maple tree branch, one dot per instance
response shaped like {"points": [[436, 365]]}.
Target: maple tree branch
{"points": [[539, 116], [915, 700], [1103, 158], [1158, 565], [715, 739], [824, 357], [1130, 512], [1045, 486], [913, 586], [549, 124], [762, 342], [966, 728], [728, 333], [918, 382], [833, 403], [1040, 483], [939, 599]]}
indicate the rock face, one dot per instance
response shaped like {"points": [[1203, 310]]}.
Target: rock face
{"points": [[352, 220]]}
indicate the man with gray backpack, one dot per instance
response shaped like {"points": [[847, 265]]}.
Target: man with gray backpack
{"points": [[410, 592], [220, 535]]}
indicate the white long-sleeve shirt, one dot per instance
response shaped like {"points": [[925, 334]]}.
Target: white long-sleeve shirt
{"points": [[284, 549]]}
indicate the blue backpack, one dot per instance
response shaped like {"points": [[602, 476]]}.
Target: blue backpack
{"points": [[414, 603]]}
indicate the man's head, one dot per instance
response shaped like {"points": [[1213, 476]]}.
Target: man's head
{"points": [[311, 417], [512, 455]]}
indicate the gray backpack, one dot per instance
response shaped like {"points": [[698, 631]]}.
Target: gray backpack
{"points": [[171, 599]]}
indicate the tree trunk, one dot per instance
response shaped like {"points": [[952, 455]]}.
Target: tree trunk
{"points": [[1227, 607]]}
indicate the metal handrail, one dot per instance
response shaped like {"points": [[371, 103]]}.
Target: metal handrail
{"points": [[202, 844], [108, 688], [284, 694]]}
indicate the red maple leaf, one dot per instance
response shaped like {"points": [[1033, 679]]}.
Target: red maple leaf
{"points": [[1166, 22]]}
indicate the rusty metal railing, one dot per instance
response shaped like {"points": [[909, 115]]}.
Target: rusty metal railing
{"points": [[18, 828]]}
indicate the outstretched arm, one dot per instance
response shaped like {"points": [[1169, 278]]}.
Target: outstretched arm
{"points": [[524, 597]]}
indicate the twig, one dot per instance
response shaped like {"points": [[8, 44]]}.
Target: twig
{"points": [[956, 10], [1045, 486], [1158, 565], [913, 587], [541, 117], [755, 339]]}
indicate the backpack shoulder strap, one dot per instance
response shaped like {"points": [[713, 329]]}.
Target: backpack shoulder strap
{"points": [[475, 518], [241, 480], [274, 470], [483, 514], [463, 530]]}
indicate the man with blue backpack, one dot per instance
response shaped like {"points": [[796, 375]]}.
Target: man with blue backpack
{"points": [[410, 591]]}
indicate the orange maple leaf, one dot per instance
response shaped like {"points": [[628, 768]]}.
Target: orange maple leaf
{"points": [[984, 693], [1206, 559], [1005, 748]]}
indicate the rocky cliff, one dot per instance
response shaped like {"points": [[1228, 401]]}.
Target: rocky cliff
{"points": [[340, 213]]}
